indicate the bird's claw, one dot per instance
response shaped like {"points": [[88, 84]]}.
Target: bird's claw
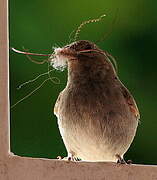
{"points": [[122, 161], [70, 158]]}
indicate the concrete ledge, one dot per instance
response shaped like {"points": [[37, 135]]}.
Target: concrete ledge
{"points": [[21, 168]]}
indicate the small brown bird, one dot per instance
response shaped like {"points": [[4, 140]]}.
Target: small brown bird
{"points": [[97, 115]]}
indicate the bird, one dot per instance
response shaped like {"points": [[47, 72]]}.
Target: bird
{"points": [[97, 115]]}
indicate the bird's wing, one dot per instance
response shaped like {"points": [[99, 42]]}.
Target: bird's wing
{"points": [[130, 101], [56, 107]]}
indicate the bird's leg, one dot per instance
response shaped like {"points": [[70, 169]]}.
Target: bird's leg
{"points": [[71, 157], [120, 159]]}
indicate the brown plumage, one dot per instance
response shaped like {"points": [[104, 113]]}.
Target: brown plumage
{"points": [[97, 115]]}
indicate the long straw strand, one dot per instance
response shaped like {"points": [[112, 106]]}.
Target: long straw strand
{"points": [[54, 80], [84, 23], [32, 80], [32, 54], [28, 95]]}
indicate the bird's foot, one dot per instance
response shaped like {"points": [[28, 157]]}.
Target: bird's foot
{"points": [[129, 162], [59, 158], [69, 158], [73, 159], [122, 161]]}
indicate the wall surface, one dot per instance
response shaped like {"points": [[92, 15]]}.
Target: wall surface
{"points": [[130, 36]]}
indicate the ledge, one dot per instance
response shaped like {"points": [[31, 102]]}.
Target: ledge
{"points": [[21, 168]]}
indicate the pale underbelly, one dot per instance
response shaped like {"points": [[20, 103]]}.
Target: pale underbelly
{"points": [[91, 147]]}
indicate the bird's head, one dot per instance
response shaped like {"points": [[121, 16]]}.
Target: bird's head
{"points": [[82, 55]]}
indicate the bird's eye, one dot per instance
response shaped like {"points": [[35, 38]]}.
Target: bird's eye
{"points": [[67, 46]]}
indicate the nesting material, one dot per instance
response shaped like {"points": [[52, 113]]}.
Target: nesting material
{"points": [[58, 61]]}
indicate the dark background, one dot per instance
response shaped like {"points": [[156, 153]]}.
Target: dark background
{"points": [[39, 25]]}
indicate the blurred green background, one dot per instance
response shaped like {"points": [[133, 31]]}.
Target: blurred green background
{"points": [[39, 25]]}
